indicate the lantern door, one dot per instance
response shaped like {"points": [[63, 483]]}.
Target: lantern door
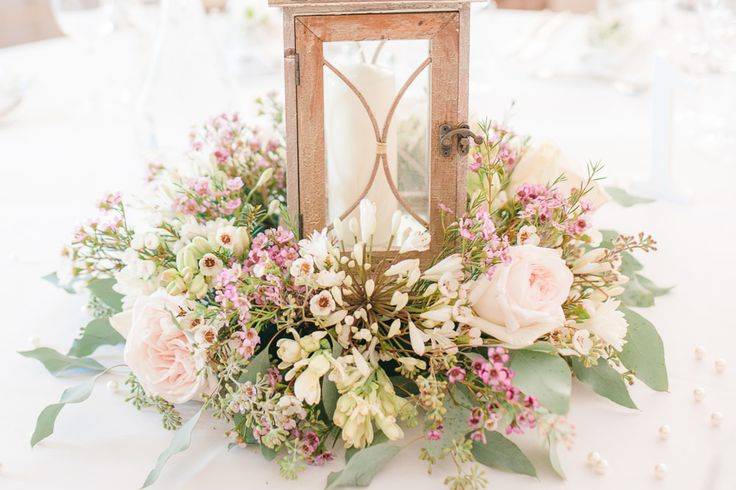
{"points": [[372, 94]]}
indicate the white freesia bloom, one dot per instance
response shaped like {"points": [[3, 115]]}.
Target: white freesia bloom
{"points": [[452, 264], [606, 322], [394, 329], [318, 246], [438, 315], [367, 220], [307, 384], [417, 338], [523, 300], [329, 279], [545, 163], [399, 300], [403, 267], [415, 241], [136, 279]]}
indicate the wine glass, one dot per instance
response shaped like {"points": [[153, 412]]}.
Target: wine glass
{"points": [[84, 21]]}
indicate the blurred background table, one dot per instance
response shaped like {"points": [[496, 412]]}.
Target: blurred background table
{"points": [[84, 125]]}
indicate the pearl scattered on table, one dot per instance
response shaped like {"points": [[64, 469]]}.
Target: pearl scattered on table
{"points": [[660, 471], [715, 419], [593, 458], [601, 467], [664, 432], [113, 386], [34, 340], [720, 365], [700, 353], [699, 394]]}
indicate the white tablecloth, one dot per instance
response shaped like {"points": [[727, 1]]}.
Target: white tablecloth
{"points": [[54, 165]]}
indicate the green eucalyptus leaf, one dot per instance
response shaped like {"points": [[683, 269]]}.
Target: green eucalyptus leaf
{"points": [[53, 278], [542, 346], [635, 294], [181, 441], [629, 264], [656, 290], [378, 438], [545, 376], [362, 467], [608, 237], [102, 290], [643, 352], [500, 453], [47, 418], [554, 458], [258, 364], [604, 380], [455, 422], [58, 363], [268, 453], [624, 198], [97, 332]]}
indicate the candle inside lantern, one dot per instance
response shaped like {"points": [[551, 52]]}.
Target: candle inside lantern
{"points": [[351, 145]]}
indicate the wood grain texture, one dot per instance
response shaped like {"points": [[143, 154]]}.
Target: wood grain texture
{"points": [[444, 105], [290, 109], [347, 4], [311, 130], [364, 27]]}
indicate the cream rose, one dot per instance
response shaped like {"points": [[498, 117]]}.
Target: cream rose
{"points": [[160, 354], [545, 163], [523, 300]]}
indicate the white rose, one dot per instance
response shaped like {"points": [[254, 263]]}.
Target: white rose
{"points": [[606, 322], [160, 355], [545, 163], [523, 300]]}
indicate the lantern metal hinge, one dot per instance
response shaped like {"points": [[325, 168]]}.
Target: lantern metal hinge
{"points": [[300, 225], [291, 54], [463, 133]]}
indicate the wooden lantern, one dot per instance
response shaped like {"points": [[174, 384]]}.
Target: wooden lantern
{"points": [[331, 167]]}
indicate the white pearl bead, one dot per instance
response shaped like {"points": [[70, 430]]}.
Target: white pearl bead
{"points": [[699, 394], [34, 340], [699, 352], [660, 471], [720, 366], [601, 467], [113, 386], [593, 458], [664, 432], [715, 419]]}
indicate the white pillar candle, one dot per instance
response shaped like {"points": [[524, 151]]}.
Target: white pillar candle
{"points": [[350, 143]]}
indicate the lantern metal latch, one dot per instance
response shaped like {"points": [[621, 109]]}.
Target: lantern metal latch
{"points": [[463, 133]]}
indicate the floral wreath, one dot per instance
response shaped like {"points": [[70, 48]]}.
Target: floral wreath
{"points": [[303, 345]]}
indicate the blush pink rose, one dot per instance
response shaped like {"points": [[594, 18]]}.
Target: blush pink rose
{"points": [[523, 300], [161, 355]]}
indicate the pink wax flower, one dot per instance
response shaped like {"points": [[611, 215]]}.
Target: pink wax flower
{"points": [[456, 374], [498, 355], [476, 163]]}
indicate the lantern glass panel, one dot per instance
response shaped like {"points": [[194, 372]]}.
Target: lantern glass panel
{"points": [[376, 123]]}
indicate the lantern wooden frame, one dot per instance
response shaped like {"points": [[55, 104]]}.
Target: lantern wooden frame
{"points": [[307, 25]]}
